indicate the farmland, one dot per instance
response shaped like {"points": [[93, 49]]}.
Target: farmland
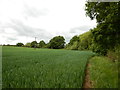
{"points": [[43, 68]]}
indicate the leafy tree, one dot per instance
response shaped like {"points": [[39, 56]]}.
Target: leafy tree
{"points": [[85, 41], [106, 34], [66, 46], [33, 44], [47, 45], [28, 44], [57, 42], [81, 42], [74, 39], [73, 44], [19, 44], [42, 44]]}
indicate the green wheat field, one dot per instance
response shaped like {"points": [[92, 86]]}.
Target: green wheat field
{"points": [[43, 68]]}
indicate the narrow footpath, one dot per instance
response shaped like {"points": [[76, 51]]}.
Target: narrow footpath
{"points": [[87, 83]]}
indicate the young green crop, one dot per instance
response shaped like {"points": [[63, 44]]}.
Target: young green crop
{"points": [[43, 68]]}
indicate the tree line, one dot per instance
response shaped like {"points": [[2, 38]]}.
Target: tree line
{"points": [[103, 38], [57, 42]]}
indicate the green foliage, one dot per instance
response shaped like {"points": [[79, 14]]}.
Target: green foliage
{"points": [[85, 41], [34, 44], [103, 11], [74, 39], [114, 55], [27, 44], [43, 68], [19, 44], [103, 72], [66, 46], [47, 45], [117, 51], [73, 44], [98, 49], [42, 44], [81, 42], [106, 34], [57, 42]]}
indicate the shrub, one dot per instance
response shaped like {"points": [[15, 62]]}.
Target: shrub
{"points": [[19, 44]]}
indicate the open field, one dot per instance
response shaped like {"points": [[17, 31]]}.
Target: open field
{"points": [[43, 68]]}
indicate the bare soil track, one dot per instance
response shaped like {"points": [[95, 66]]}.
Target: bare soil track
{"points": [[87, 82]]}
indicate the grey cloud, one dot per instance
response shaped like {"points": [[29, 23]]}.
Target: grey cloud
{"points": [[67, 38], [41, 34], [44, 35], [76, 31], [34, 12], [27, 31], [67, 35], [80, 29], [9, 39], [21, 28], [1, 30], [12, 39]]}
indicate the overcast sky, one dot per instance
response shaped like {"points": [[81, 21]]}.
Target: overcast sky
{"points": [[23, 20]]}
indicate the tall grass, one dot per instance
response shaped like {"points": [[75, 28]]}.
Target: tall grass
{"points": [[103, 72]]}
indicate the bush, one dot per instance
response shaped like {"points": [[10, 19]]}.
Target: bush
{"points": [[112, 55], [27, 44], [74, 46], [57, 42], [34, 44], [19, 44], [41, 44]]}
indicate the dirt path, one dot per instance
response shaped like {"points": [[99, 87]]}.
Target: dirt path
{"points": [[87, 83]]}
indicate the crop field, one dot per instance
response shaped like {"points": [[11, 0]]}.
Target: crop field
{"points": [[43, 68]]}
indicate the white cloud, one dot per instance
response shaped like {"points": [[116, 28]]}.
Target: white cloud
{"points": [[10, 31], [22, 20]]}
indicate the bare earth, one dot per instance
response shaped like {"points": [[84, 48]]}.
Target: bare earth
{"points": [[87, 83]]}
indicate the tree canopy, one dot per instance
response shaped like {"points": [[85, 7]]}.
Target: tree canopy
{"points": [[33, 44], [27, 44], [57, 42], [106, 35], [81, 42], [19, 44], [73, 44], [42, 44], [74, 39], [85, 41]]}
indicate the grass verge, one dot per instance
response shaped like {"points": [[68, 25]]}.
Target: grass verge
{"points": [[103, 72]]}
